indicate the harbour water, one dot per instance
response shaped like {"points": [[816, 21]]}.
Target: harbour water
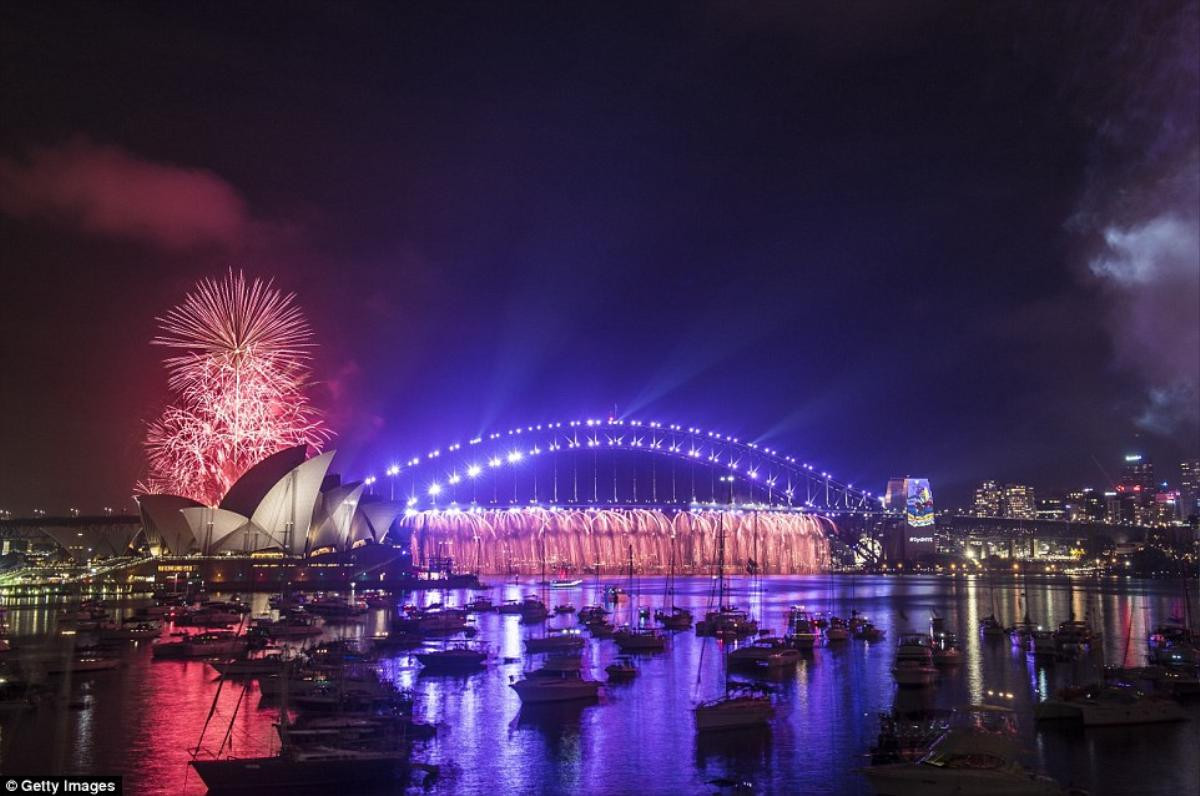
{"points": [[143, 719]]}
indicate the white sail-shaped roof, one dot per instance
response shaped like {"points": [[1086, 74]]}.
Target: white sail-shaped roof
{"points": [[166, 529], [213, 527], [332, 527], [374, 519], [285, 513], [85, 542]]}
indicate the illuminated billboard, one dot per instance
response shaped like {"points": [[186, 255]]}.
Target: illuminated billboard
{"points": [[919, 506]]}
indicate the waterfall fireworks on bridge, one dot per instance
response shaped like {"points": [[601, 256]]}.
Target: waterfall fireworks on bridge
{"points": [[577, 496]]}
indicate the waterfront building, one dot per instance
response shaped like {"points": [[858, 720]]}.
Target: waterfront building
{"points": [[987, 499], [1019, 502]]}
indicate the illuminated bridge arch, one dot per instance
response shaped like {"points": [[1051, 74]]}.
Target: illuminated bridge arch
{"points": [[616, 462], [580, 495]]}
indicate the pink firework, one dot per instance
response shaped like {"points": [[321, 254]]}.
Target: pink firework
{"points": [[239, 370]]}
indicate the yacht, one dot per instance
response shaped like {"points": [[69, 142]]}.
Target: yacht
{"points": [[563, 608], [631, 639], [533, 610], [945, 650], [1022, 632], [914, 646], [622, 668], [458, 658], [141, 630], [908, 672], [290, 627], [269, 663], [201, 645], [675, 619], [565, 583], [758, 651], [592, 613], [83, 663], [554, 686], [739, 708], [729, 622], [836, 631], [1042, 644], [302, 768], [966, 759], [480, 605], [555, 641], [1109, 705], [802, 631], [990, 626]]}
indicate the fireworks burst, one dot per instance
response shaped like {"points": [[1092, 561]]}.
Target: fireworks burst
{"points": [[239, 371]]}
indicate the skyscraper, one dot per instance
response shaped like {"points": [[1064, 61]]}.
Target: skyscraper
{"points": [[1019, 502], [1189, 487], [987, 499]]}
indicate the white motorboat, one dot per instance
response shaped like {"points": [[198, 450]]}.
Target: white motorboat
{"points": [[565, 583], [736, 710], [914, 646], [758, 651], [555, 685]]}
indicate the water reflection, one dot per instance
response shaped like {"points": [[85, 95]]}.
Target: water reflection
{"points": [[144, 718]]}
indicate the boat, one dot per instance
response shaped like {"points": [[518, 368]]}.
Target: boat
{"points": [[672, 616], [970, 758], [758, 651], [728, 622], [590, 613], [566, 583], [290, 627], [555, 640], [1109, 705], [82, 664], [946, 651], [458, 658], [623, 668], [634, 639], [532, 610], [740, 707], [299, 767], [564, 608], [914, 646], [269, 664], [676, 618], [142, 630], [990, 626], [554, 685], [802, 632], [480, 605], [601, 629], [1042, 644], [332, 607], [836, 631], [201, 645], [910, 672]]}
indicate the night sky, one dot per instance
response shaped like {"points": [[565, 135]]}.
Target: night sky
{"points": [[951, 240]]}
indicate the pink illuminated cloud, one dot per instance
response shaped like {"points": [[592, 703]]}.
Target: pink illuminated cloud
{"points": [[108, 191]]}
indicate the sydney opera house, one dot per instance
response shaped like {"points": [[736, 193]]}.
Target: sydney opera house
{"points": [[288, 503]]}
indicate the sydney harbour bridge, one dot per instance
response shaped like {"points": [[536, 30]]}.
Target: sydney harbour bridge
{"points": [[586, 495]]}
